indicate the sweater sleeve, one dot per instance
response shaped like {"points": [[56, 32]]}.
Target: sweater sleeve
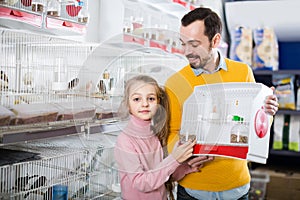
{"points": [[132, 165], [250, 77], [178, 89], [175, 121]]}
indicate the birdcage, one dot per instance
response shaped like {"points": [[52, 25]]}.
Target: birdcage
{"points": [[36, 67], [228, 119], [38, 82], [84, 169]]}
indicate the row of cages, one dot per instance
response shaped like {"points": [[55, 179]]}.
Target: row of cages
{"points": [[49, 168], [55, 17], [83, 170], [54, 79], [31, 66]]}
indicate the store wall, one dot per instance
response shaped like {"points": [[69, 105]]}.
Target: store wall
{"points": [[106, 20]]}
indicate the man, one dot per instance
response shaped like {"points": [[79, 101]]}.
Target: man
{"points": [[200, 34]]}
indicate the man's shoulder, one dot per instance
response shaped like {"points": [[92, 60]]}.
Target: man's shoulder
{"points": [[230, 62], [179, 74], [237, 66]]}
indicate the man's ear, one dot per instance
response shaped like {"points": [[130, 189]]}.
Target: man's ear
{"points": [[216, 40]]}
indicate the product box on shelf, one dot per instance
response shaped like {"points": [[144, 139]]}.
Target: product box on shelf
{"points": [[289, 55], [265, 51], [241, 46]]}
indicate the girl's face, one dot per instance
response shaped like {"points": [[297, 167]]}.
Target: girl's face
{"points": [[143, 100]]}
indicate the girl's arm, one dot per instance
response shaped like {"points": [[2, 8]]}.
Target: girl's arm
{"points": [[132, 164], [149, 180]]}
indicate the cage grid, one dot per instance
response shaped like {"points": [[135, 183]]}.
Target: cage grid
{"points": [[81, 163], [31, 62]]}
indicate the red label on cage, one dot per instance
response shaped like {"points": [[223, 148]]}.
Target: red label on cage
{"points": [[176, 50], [180, 2], [158, 45], [238, 151], [29, 18], [131, 38]]}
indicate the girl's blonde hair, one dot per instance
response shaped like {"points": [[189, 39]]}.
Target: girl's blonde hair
{"points": [[161, 119]]}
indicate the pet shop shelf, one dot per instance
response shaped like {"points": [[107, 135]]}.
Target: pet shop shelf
{"points": [[45, 16]]}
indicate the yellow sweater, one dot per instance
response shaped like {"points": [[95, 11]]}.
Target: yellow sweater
{"points": [[222, 173]]}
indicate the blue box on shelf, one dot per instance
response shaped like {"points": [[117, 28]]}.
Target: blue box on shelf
{"points": [[289, 55]]}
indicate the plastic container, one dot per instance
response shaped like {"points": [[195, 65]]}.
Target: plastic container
{"points": [[60, 192], [53, 8], [239, 131], [258, 185], [34, 113], [38, 5], [5, 115]]}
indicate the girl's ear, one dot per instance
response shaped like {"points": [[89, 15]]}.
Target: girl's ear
{"points": [[216, 40]]}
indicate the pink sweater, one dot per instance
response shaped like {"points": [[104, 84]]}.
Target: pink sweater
{"points": [[142, 169]]}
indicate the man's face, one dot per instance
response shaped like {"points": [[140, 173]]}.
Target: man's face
{"points": [[196, 46]]}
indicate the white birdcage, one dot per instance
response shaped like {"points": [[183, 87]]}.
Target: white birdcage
{"points": [[228, 119], [30, 63], [84, 167], [38, 82]]}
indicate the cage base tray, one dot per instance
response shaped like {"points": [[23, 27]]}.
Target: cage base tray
{"points": [[235, 151]]}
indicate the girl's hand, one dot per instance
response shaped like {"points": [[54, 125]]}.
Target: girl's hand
{"points": [[183, 151]]}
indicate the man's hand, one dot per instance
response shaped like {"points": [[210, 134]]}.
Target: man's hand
{"points": [[271, 104], [198, 161], [194, 164]]}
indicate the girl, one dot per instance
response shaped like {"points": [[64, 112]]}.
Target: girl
{"points": [[144, 167]]}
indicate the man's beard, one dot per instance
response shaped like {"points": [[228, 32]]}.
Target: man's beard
{"points": [[202, 62]]}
